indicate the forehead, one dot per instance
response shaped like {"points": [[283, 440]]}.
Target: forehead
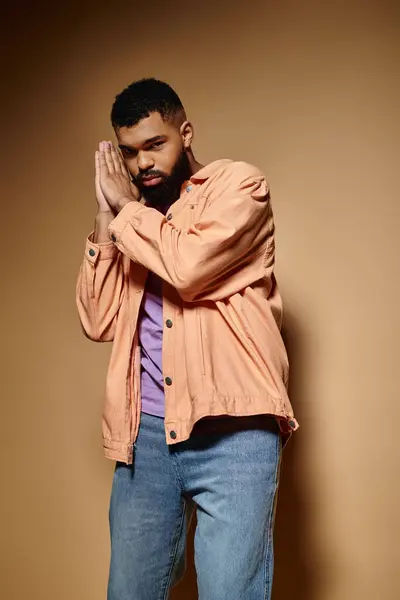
{"points": [[146, 129]]}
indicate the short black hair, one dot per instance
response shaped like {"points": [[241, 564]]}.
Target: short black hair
{"points": [[140, 99]]}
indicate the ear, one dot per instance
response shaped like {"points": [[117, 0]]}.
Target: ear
{"points": [[187, 134]]}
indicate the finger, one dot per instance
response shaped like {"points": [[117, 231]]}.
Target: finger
{"points": [[97, 167], [122, 165], [119, 162], [100, 156], [103, 166], [108, 158], [114, 157]]}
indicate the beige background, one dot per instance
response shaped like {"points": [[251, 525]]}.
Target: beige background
{"points": [[309, 92]]}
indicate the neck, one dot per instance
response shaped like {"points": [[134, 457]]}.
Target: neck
{"points": [[194, 165]]}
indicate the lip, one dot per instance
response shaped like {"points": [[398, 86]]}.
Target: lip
{"points": [[151, 181]]}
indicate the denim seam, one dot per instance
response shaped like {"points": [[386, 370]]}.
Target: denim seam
{"points": [[176, 467], [165, 589], [270, 526]]}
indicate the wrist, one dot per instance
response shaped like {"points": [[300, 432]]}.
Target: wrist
{"points": [[104, 211], [123, 201]]}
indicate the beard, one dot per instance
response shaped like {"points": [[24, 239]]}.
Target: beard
{"points": [[169, 190]]}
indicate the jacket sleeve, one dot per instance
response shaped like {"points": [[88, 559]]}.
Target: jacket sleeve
{"points": [[99, 290], [199, 261]]}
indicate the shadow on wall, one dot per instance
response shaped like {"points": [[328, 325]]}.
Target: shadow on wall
{"points": [[295, 554], [295, 561]]}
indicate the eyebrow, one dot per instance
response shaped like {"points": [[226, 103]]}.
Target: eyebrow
{"points": [[156, 138]]}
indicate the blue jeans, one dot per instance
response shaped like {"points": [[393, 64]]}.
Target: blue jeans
{"points": [[229, 471]]}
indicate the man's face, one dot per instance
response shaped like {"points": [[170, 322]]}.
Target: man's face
{"points": [[154, 154]]}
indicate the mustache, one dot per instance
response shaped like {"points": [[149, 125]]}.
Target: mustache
{"points": [[148, 174]]}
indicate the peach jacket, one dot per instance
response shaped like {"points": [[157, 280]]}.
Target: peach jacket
{"points": [[223, 353]]}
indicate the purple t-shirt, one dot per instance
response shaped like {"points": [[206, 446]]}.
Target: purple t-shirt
{"points": [[150, 332], [150, 338]]}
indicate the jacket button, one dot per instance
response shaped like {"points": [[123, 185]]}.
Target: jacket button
{"points": [[173, 435], [168, 323], [292, 424], [169, 217], [92, 252], [168, 380], [113, 238]]}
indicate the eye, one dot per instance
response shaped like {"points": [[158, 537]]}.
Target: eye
{"points": [[156, 145], [128, 152]]}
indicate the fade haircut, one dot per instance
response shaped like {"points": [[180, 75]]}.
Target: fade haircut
{"points": [[143, 97]]}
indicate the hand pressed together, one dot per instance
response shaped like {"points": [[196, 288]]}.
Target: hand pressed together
{"points": [[114, 187]]}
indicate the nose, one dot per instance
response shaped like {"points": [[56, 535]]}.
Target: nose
{"points": [[144, 161]]}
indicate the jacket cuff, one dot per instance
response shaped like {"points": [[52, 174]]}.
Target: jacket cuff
{"points": [[125, 216], [103, 251]]}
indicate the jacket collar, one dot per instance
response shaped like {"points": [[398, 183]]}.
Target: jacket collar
{"points": [[209, 170]]}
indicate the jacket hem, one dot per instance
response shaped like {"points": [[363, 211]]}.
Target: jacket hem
{"points": [[183, 429], [118, 451]]}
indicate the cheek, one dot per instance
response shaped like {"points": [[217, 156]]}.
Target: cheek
{"points": [[131, 165], [166, 161]]}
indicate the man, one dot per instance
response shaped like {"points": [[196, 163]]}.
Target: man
{"points": [[178, 273]]}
